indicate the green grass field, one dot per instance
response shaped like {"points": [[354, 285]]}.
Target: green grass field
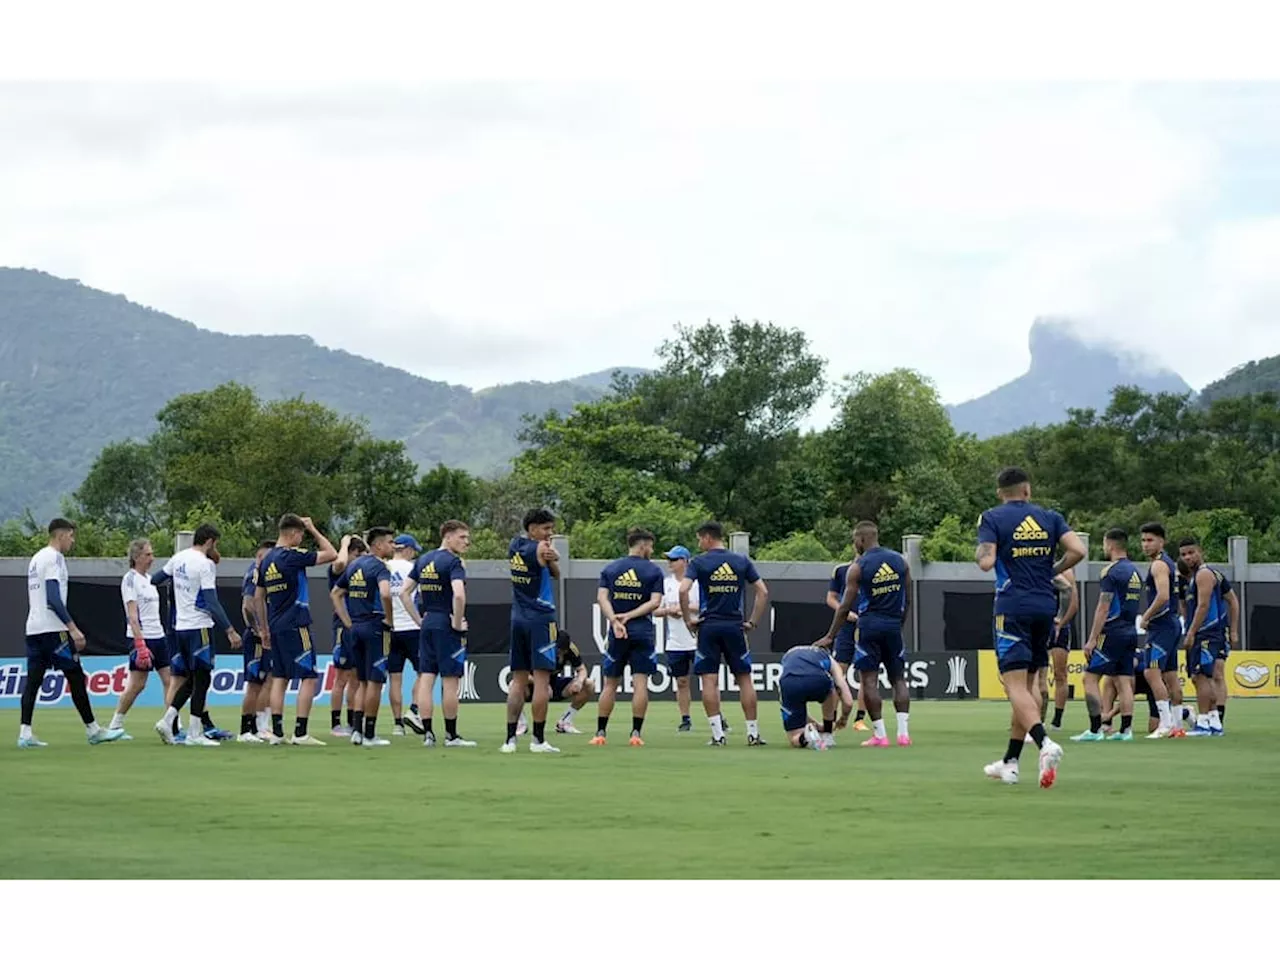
{"points": [[674, 809]]}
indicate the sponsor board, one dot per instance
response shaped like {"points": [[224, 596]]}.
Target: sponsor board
{"points": [[1248, 674]]}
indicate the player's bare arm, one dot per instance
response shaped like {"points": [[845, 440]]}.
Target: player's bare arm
{"points": [[985, 556], [1160, 575], [1099, 618], [1206, 583], [1073, 552], [840, 617], [459, 612], [339, 597], [406, 600], [324, 552], [759, 604]]}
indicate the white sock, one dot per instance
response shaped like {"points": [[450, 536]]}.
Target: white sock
{"points": [[753, 728], [717, 728], [263, 724], [569, 715], [117, 721], [878, 726], [24, 731], [195, 728], [1166, 719], [92, 727], [170, 715], [902, 719], [1215, 722]]}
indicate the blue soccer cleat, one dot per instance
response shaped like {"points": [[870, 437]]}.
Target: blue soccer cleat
{"points": [[106, 735], [215, 733]]}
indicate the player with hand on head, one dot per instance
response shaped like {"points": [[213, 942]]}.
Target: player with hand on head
{"points": [[362, 601], [150, 650], [1018, 540], [812, 675], [346, 685]]}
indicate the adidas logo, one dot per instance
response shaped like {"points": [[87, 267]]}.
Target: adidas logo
{"points": [[628, 579], [517, 563], [357, 578], [1135, 581], [429, 571], [1028, 529], [884, 574], [724, 572], [272, 572]]}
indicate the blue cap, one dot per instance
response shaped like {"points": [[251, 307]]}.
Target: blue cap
{"points": [[678, 553], [406, 540]]}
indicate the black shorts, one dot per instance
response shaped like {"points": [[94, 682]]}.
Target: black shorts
{"points": [[558, 683]]}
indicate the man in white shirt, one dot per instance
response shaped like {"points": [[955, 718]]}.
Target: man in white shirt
{"points": [[150, 650], [54, 641], [404, 634], [197, 609], [681, 644]]}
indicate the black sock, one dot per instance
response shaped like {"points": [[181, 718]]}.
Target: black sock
{"points": [[684, 718], [511, 732], [246, 723], [277, 724], [1014, 751], [1057, 716], [30, 692], [370, 728], [860, 715], [602, 726], [426, 725], [451, 728], [539, 731], [206, 721], [300, 727], [1038, 734], [1222, 713], [176, 725], [637, 724], [336, 716], [828, 726], [80, 695], [351, 718], [413, 708], [1126, 721], [400, 722], [357, 721], [1095, 722]]}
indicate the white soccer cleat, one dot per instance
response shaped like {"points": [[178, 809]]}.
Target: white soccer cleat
{"points": [[165, 731], [267, 736], [413, 723], [829, 739], [543, 747], [459, 742], [429, 740], [397, 730], [1050, 757], [123, 736], [249, 738], [342, 730], [562, 727], [306, 741], [1160, 733], [27, 743], [201, 741], [508, 747], [357, 738], [375, 742], [1004, 772]]}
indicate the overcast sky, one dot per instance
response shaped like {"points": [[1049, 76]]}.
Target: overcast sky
{"points": [[481, 233]]}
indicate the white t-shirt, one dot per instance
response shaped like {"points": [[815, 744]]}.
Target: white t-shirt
{"points": [[678, 635], [400, 571], [47, 564], [138, 587], [192, 572]]}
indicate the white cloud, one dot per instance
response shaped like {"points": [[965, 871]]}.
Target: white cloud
{"points": [[485, 233]]}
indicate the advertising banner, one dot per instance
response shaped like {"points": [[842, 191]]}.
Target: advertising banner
{"points": [[1251, 673], [487, 680]]}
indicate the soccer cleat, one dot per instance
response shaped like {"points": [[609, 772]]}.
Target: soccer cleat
{"points": [[1200, 731], [1217, 732], [180, 737], [1160, 733], [829, 739], [125, 736], [876, 742], [306, 741], [563, 727], [1004, 772], [249, 738], [1050, 757], [429, 740], [597, 741], [1088, 737], [397, 730], [1055, 727], [756, 741], [543, 747], [413, 723], [374, 742], [106, 735], [635, 740], [26, 743], [904, 741], [716, 742], [267, 736], [216, 733], [686, 726], [1123, 735], [458, 742], [861, 725], [521, 727], [201, 741], [165, 732], [342, 730], [1177, 733], [357, 738], [508, 747]]}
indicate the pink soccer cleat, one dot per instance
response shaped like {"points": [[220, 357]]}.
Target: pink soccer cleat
{"points": [[904, 741], [876, 742]]}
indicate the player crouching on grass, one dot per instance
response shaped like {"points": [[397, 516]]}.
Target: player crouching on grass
{"points": [[810, 675]]}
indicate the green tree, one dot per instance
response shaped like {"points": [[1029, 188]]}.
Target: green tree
{"points": [[952, 540], [798, 547], [606, 537], [446, 494], [487, 545], [384, 484], [123, 487]]}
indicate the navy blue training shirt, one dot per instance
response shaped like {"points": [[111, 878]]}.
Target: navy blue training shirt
{"points": [[533, 596], [882, 595], [434, 574], [364, 597], [1121, 579], [632, 582], [722, 578], [1026, 538]]}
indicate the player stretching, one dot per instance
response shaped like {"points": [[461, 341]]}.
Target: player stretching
{"points": [[53, 639], [810, 675], [1060, 643], [440, 579], [534, 565], [722, 633], [878, 585], [362, 601], [1018, 540], [844, 639], [284, 605], [142, 613], [1210, 601], [630, 589], [1113, 638], [255, 710], [345, 681], [196, 611], [1160, 621], [404, 633]]}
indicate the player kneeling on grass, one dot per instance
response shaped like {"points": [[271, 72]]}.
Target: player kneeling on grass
{"points": [[810, 675]]}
